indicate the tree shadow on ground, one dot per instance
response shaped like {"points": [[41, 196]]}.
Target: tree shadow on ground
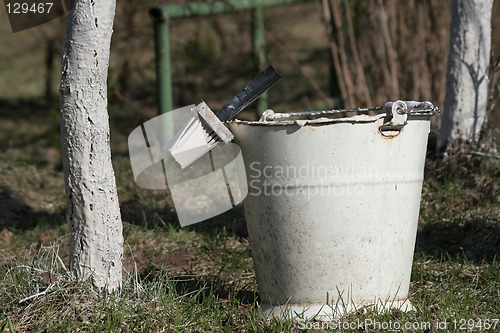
{"points": [[16, 213], [474, 238], [14, 109], [203, 289], [231, 222], [213, 285]]}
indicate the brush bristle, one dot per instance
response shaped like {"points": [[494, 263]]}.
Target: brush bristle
{"points": [[200, 135]]}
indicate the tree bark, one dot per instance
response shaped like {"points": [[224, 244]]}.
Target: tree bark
{"points": [[467, 74], [93, 207]]}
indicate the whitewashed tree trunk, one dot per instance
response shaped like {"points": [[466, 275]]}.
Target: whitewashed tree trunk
{"points": [[93, 207], [467, 74]]}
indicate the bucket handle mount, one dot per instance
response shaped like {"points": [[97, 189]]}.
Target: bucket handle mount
{"points": [[398, 111]]}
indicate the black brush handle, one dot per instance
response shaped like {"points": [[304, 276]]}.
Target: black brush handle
{"points": [[250, 93]]}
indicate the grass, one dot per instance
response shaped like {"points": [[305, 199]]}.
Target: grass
{"points": [[39, 292], [201, 278], [442, 289]]}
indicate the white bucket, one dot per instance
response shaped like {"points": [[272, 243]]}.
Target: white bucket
{"points": [[332, 211]]}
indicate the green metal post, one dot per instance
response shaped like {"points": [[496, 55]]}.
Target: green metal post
{"points": [[164, 76], [162, 14], [259, 49]]}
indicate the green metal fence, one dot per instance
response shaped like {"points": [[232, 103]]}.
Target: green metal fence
{"points": [[162, 15]]}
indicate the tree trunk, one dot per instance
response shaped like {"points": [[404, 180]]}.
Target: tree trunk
{"points": [[93, 207], [467, 75]]}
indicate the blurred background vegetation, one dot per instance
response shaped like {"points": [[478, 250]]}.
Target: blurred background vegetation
{"points": [[398, 51], [388, 50]]}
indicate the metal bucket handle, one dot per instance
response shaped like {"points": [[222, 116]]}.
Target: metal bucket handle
{"points": [[397, 114], [393, 109]]}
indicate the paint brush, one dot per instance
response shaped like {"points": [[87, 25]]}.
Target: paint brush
{"points": [[205, 129]]}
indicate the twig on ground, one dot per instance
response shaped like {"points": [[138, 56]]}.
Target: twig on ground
{"points": [[37, 294]]}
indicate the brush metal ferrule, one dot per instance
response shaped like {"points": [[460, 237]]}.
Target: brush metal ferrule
{"points": [[214, 123]]}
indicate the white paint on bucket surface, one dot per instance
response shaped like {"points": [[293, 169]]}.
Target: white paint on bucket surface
{"points": [[332, 212]]}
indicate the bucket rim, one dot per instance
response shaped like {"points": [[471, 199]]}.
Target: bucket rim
{"points": [[395, 112], [362, 118]]}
